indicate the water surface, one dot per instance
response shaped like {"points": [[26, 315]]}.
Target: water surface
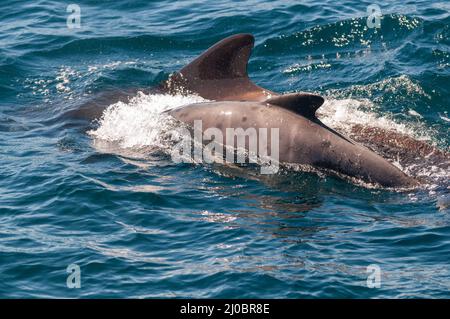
{"points": [[107, 197]]}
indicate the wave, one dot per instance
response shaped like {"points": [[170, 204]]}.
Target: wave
{"points": [[337, 36]]}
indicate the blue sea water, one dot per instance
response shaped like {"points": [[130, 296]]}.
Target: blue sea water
{"points": [[106, 197]]}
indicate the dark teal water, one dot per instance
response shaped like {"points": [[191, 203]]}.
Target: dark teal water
{"points": [[139, 225]]}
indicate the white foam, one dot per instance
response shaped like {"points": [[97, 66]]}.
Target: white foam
{"points": [[141, 122], [343, 114]]}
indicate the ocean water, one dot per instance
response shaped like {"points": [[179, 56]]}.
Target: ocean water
{"points": [[106, 196]]}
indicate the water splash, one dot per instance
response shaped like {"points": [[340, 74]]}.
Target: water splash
{"points": [[344, 113], [141, 122]]}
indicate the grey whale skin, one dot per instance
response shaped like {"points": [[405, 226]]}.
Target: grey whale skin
{"points": [[220, 74]]}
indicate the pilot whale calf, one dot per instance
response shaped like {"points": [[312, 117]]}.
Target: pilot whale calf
{"points": [[303, 138]]}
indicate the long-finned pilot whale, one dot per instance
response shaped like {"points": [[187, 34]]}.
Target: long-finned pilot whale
{"points": [[220, 75]]}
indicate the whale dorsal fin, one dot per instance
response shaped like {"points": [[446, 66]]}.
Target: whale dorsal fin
{"points": [[305, 104], [226, 59], [220, 73]]}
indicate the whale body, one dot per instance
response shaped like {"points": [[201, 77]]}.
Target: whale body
{"points": [[303, 138]]}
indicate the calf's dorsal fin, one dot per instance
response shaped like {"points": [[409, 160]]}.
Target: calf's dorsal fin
{"points": [[305, 104], [220, 73]]}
